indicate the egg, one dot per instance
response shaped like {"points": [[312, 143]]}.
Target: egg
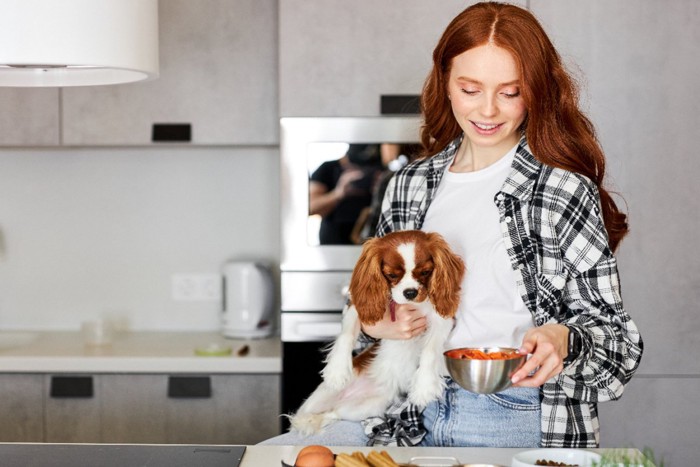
{"points": [[315, 456]]}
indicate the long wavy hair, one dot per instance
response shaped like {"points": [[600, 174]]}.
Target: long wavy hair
{"points": [[558, 133]]}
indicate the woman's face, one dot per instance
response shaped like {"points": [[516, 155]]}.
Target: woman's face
{"points": [[485, 96]]}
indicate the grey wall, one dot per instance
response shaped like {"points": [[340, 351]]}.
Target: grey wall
{"points": [[86, 232]]}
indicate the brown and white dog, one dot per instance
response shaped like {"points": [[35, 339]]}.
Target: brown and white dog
{"points": [[404, 267]]}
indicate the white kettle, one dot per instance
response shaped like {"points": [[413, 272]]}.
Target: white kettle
{"points": [[248, 300]]}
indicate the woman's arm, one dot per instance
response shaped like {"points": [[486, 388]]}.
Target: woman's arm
{"points": [[323, 201], [583, 292]]}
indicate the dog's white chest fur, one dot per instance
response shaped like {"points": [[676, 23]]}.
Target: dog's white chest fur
{"points": [[414, 367]]}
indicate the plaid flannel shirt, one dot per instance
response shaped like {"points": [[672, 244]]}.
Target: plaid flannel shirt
{"points": [[565, 272]]}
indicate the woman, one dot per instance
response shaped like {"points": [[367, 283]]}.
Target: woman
{"points": [[512, 178], [340, 189]]}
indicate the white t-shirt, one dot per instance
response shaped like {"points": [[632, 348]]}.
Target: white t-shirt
{"points": [[491, 311]]}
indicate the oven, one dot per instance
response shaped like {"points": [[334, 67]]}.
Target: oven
{"points": [[315, 276], [312, 304]]}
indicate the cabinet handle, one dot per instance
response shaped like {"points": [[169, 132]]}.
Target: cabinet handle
{"points": [[399, 104], [189, 387], [171, 132], [73, 387]]}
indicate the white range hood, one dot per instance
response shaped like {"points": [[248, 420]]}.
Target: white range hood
{"points": [[78, 42]]}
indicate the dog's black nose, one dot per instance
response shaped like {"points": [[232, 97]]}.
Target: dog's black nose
{"points": [[410, 294]]}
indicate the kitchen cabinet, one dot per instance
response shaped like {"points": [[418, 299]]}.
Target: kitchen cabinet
{"points": [[135, 412], [72, 409], [337, 57], [218, 73], [21, 408], [636, 76], [657, 413], [140, 408], [237, 409], [29, 117]]}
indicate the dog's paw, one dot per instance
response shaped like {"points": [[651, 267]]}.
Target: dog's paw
{"points": [[310, 424], [421, 394]]}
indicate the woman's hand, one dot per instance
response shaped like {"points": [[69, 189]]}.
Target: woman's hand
{"points": [[408, 323], [549, 345], [344, 186]]}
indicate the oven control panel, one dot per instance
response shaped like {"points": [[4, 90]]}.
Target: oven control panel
{"points": [[314, 291]]}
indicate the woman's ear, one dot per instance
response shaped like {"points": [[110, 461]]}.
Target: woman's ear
{"points": [[369, 290], [446, 281]]}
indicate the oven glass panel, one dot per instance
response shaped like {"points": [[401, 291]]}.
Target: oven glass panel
{"points": [[346, 186]]}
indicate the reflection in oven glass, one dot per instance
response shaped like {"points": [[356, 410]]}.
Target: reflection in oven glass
{"points": [[346, 187]]}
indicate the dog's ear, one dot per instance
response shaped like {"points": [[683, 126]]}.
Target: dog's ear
{"points": [[446, 281], [369, 291]]}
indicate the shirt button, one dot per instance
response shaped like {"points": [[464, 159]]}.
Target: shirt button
{"points": [[500, 197], [508, 219]]}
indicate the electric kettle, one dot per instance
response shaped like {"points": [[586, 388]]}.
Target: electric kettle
{"points": [[248, 300]]}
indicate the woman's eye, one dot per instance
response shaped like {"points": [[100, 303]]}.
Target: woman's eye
{"points": [[511, 95], [469, 92]]}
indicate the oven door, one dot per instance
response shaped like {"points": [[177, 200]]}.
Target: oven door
{"points": [[306, 336], [312, 304]]}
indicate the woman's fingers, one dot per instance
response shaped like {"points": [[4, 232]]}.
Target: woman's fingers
{"points": [[548, 346]]}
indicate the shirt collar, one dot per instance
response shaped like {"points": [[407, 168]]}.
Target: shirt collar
{"points": [[524, 173], [522, 177]]}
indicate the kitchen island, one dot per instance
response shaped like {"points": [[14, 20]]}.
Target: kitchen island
{"points": [[106, 455]]}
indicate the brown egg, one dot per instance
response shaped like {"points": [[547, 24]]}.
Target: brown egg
{"points": [[315, 456]]}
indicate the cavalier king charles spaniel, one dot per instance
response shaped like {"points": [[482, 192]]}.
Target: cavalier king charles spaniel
{"points": [[402, 267]]}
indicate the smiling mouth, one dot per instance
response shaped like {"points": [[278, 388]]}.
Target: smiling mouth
{"points": [[485, 127]]}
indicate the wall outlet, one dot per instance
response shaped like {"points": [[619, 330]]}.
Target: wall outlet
{"points": [[197, 287]]}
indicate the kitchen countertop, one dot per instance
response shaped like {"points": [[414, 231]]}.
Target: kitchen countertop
{"points": [[273, 455], [254, 456], [134, 352]]}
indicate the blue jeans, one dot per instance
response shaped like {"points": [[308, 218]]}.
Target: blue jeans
{"points": [[508, 419]]}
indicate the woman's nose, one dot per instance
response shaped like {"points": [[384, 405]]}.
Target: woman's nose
{"points": [[488, 106]]}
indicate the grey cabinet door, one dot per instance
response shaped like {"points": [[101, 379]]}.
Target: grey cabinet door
{"points": [[638, 88], [21, 408], [338, 57], [29, 117], [133, 409], [72, 409], [243, 409], [218, 73], [223, 409]]}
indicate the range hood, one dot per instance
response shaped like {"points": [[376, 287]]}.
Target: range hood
{"points": [[78, 42]]}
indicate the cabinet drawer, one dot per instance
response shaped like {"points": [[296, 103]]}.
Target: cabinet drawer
{"points": [[190, 409], [22, 408], [72, 409]]}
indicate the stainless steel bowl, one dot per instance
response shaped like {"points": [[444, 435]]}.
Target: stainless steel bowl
{"points": [[483, 376]]}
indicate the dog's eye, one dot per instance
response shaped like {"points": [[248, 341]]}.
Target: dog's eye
{"points": [[392, 276], [426, 273]]}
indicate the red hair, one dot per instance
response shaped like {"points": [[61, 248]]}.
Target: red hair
{"points": [[559, 134]]}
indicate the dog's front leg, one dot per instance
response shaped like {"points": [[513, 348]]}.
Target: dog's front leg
{"points": [[338, 370], [428, 382]]}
